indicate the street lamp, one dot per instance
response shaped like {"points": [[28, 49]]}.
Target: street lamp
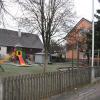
{"points": [[92, 64]]}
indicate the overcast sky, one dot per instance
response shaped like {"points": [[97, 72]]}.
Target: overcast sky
{"points": [[83, 8]]}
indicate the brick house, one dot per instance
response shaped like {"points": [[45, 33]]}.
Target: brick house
{"points": [[76, 40]]}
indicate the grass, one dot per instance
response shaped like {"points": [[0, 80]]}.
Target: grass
{"points": [[14, 70], [10, 70]]}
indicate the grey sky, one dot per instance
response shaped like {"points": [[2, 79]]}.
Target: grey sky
{"points": [[83, 8]]}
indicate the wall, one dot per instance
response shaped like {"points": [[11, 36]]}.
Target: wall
{"points": [[75, 37], [39, 58], [3, 50], [69, 54]]}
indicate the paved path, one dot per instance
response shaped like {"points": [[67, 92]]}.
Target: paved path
{"points": [[91, 92]]}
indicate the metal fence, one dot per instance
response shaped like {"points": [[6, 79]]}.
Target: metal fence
{"points": [[85, 59], [40, 86]]}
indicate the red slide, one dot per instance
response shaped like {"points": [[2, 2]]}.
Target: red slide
{"points": [[21, 60]]}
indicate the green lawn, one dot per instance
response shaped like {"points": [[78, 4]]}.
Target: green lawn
{"points": [[15, 70], [35, 68]]}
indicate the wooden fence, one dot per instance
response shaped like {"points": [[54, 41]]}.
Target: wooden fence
{"points": [[97, 71], [40, 86]]}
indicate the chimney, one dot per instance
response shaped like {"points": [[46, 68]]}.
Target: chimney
{"points": [[19, 32]]}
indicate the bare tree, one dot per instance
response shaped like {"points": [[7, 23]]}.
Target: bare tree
{"points": [[48, 18], [2, 11], [5, 12]]}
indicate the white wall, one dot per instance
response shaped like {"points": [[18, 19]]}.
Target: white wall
{"points": [[3, 50], [39, 58]]}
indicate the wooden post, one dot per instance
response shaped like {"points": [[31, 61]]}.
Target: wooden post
{"points": [[1, 90]]}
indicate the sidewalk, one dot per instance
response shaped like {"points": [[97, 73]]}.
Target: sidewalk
{"points": [[91, 92]]}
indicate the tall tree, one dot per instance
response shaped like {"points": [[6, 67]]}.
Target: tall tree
{"points": [[96, 36], [47, 17], [97, 29]]}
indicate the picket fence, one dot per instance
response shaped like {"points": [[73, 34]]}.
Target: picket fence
{"points": [[44, 85]]}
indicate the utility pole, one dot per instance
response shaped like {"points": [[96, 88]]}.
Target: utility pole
{"points": [[92, 64]]}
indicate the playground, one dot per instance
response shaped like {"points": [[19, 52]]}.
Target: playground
{"points": [[18, 61], [18, 57], [11, 70], [16, 64]]}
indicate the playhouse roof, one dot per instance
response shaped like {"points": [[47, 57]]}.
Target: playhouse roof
{"points": [[27, 40]]}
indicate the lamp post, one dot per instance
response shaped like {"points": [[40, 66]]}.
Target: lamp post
{"points": [[92, 64]]}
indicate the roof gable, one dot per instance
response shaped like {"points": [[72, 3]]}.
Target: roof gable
{"points": [[82, 24]]}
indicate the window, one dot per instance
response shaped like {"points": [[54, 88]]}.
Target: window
{"points": [[0, 48]]}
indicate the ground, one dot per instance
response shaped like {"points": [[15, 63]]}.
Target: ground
{"points": [[10, 69], [90, 92]]}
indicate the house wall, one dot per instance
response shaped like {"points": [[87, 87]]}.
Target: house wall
{"points": [[3, 50], [71, 53], [74, 36]]}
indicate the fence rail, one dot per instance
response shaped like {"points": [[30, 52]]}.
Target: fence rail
{"points": [[39, 86]]}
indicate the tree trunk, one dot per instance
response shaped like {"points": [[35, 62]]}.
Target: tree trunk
{"points": [[88, 56], [45, 61]]}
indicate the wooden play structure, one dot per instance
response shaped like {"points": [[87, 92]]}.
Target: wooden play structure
{"points": [[18, 54], [15, 54]]}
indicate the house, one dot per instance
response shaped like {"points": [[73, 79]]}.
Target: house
{"points": [[27, 42], [76, 40]]}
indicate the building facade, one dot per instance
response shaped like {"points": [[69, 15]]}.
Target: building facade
{"points": [[76, 40]]}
